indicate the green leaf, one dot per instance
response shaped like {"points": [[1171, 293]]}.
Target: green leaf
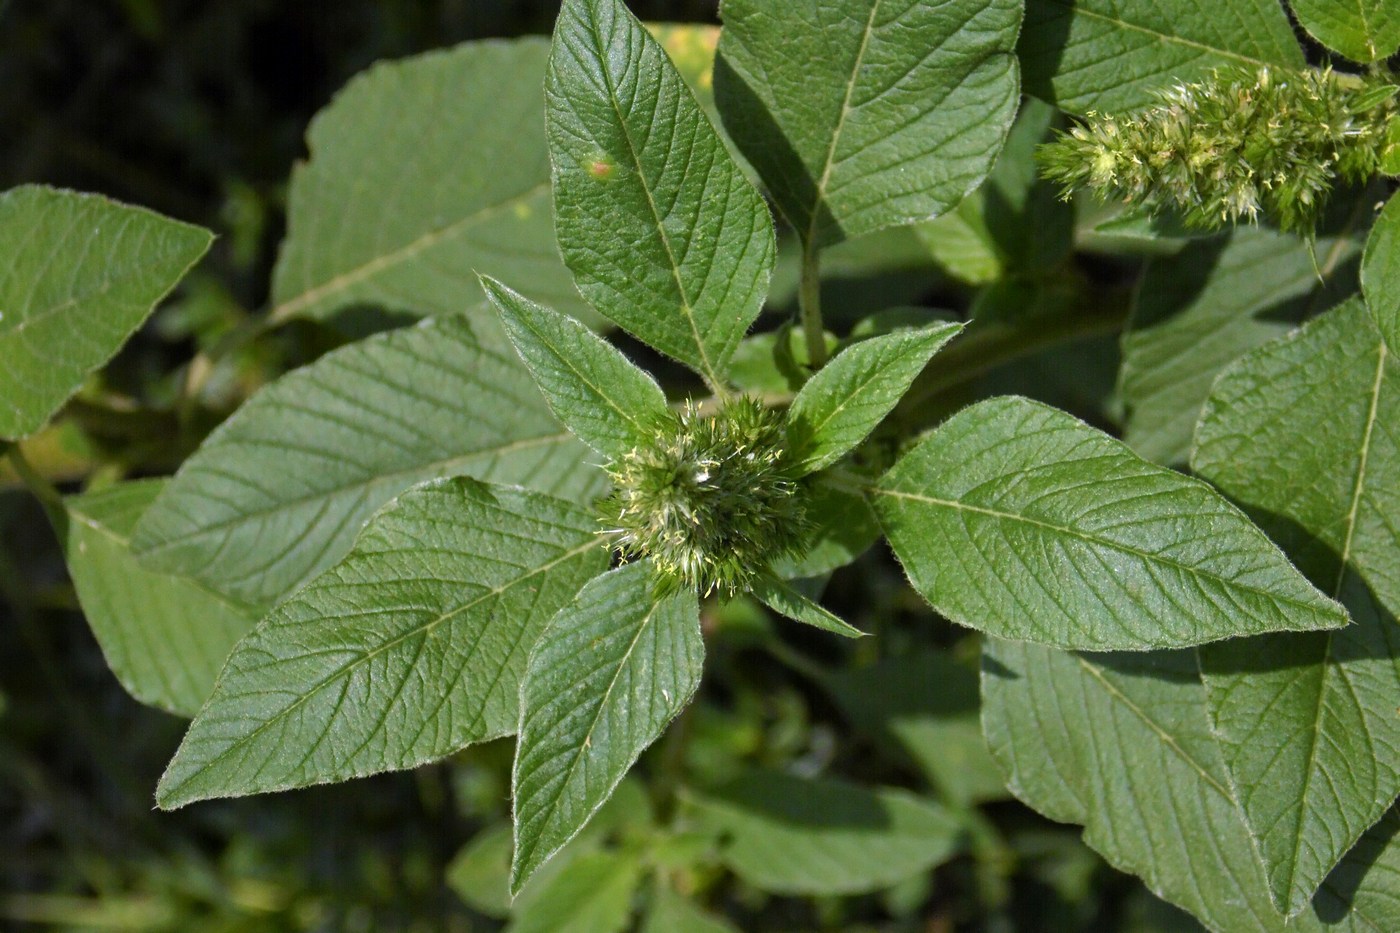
{"points": [[278, 492], [409, 649], [860, 115], [418, 176], [672, 913], [164, 637], [1021, 521], [1380, 273], [592, 894], [924, 707], [784, 600], [664, 234], [1305, 433], [789, 835], [1121, 744], [599, 394], [81, 274], [1199, 310], [609, 672], [847, 398], [1362, 30], [1112, 56]]}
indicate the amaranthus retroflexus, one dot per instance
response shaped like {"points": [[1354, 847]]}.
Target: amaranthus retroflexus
{"points": [[1239, 145], [709, 500]]}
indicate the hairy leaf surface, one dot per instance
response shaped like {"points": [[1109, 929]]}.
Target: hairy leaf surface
{"points": [[278, 492], [847, 398], [689, 246], [783, 599], [1023, 522], [610, 671], [409, 649], [80, 274], [603, 398], [165, 637], [863, 114], [1305, 433]]}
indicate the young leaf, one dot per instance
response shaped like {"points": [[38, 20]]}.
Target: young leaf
{"points": [[278, 492], [689, 246], [1305, 433], [165, 637], [609, 672], [847, 398], [1380, 274], [409, 649], [1112, 56], [861, 115], [1199, 310], [416, 178], [1120, 743], [777, 595], [609, 404], [790, 835], [1023, 522], [1362, 30], [81, 274]]}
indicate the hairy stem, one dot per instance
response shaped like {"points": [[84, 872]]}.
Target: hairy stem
{"points": [[809, 299]]}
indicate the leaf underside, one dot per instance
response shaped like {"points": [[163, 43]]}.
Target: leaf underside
{"points": [[164, 637], [409, 649], [80, 275], [278, 492], [1305, 433], [416, 183]]}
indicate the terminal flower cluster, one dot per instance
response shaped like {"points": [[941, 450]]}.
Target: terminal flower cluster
{"points": [[1237, 146], [711, 500]]}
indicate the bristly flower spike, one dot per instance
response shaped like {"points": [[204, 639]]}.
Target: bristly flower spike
{"points": [[711, 500], [1237, 146]]}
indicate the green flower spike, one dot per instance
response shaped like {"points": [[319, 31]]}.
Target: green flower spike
{"points": [[711, 500], [1236, 146]]}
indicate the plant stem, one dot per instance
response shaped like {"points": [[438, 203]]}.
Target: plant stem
{"points": [[809, 300]]}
